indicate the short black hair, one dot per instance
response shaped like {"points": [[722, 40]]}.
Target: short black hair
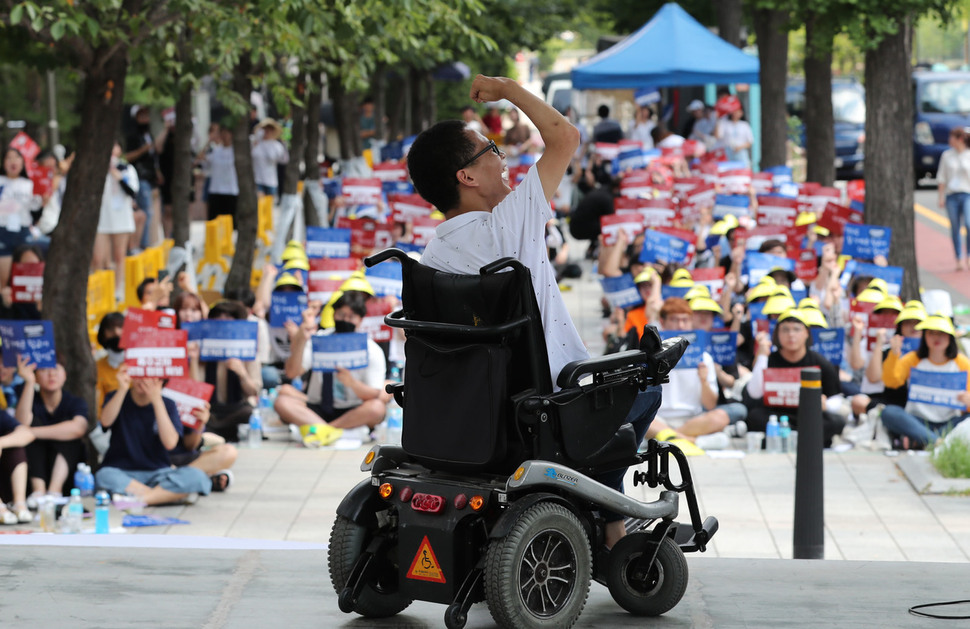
{"points": [[924, 351], [20, 250], [603, 111], [140, 291], [109, 322], [435, 158], [353, 299], [243, 295], [232, 309], [771, 243]]}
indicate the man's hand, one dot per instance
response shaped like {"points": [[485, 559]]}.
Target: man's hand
{"points": [[858, 327], [26, 370], [124, 380], [764, 344], [153, 387], [488, 88], [344, 376], [896, 344], [201, 413]]}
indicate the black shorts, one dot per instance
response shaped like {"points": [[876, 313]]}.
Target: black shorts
{"points": [[328, 416]]}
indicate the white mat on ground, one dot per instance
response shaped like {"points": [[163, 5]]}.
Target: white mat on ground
{"points": [[123, 540]]}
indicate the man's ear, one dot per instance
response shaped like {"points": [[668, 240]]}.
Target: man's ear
{"points": [[466, 178]]}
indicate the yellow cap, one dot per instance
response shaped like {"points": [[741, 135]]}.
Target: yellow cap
{"points": [[646, 275], [890, 303], [879, 284], [697, 290], [682, 274], [297, 263], [287, 279], [794, 313], [805, 218], [937, 322], [778, 304], [813, 317], [821, 231], [293, 250], [783, 290], [723, 226], [705, 304], [911, 313], [357, 281], [681, 283], [437, 215], [915, 303], [871, 296], [807, 302], [763, 289]]}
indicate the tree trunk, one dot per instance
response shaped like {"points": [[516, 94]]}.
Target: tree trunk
{"points": [[772, 37], [819, 119], [297, 141], [729, 20], [345, 112], [889, 149], [394, 109], [246, 218], [422, 97], [72, 243], [379, 93], [182, 169], [311, 153]]}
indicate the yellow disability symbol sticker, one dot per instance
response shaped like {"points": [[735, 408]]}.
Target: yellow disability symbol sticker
{"points": [[425, 565]]}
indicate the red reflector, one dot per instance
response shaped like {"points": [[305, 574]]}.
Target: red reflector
{"points": [[461, 501], [405, 494], [427, 503]]}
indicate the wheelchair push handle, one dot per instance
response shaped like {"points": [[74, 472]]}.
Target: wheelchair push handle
{"points": [[386, 254], [503, 263]]}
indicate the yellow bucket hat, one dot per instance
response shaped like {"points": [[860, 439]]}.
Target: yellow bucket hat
{"points": [[937, 322], [778, 304], [705, 304]]}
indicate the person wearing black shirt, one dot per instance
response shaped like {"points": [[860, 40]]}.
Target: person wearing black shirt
{"points": [[142, 154]]}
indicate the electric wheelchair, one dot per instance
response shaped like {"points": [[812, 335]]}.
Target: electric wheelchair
{"points": [[491, 495]]}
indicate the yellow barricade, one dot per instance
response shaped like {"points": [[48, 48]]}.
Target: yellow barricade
{"points": [[264, 224], [101, 299], [134, 274], [154, 260], [225, 235]]}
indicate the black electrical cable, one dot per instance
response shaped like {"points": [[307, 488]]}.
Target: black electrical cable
{"points": [[913, 609]]}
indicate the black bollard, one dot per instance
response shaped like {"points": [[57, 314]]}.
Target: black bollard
{"points": [[808, 539]]}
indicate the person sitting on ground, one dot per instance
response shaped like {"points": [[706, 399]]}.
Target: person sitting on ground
{"points": [[920, 424], [145, 427], [348, 398], [687, 414], [58, 421], [214, 460], [466, 177], [14, 436], [109, 337], [154, 294], [26, 253]]}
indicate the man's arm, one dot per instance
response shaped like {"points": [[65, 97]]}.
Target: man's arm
{"points": [[558, 134], [67, 430]]}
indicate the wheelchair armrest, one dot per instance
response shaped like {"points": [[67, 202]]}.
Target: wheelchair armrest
{"points": [[386, 254], [572, 373], [397, 390]]}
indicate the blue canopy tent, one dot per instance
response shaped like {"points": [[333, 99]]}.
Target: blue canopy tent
{"points": [[673, 49]]}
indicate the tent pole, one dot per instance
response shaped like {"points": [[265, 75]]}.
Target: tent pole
{"points": [[754, 119], [710, 94]]}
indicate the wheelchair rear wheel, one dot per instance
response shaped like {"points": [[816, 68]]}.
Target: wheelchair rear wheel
{"points": [[539, 574], [652, 592], [378, 599]]}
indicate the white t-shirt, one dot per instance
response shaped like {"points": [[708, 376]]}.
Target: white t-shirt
{"points": [[222, 170], [682, 395], [373, 375], [516, 228], [954, 171], [672, 141], [267, 154], [17, 199]]}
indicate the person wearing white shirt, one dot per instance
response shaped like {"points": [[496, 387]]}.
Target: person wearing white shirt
{"points": [[953, 176], [268, 154], [220, 161], [735, 136], [466, 177]]}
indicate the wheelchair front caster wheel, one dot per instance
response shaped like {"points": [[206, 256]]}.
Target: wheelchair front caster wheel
{"points": [[644, 592], [345, 600], [454, 618]]}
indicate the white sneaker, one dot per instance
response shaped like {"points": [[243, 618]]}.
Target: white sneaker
{"points": [[360, 433], [737, 430], [713, 441]]}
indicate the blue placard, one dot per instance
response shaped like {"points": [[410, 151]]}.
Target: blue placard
{"points": [[755, 310], [766, 262], [910, 344], [857, 206], [621, 291], [221, 340], [724, 348], [673, 291], [286, 306], [347, 350], [892, 274], [406, 143], [865, 242], [938, 389], [661, 247], [629, 159], [392, 150], [399, 187], [31, 338], [409, 247], [780, 175], [327, 242], [386, 279], [698, 339], [646, 96], [829, 343], [798, 294], [788, 190], [736, 204], [332, 187]]}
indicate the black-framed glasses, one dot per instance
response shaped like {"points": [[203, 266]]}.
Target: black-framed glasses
{"points": [[491, 146]]}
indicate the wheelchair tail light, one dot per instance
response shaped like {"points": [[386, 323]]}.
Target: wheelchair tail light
{"points": [[518, 473], [477, 502], [405, 494], [369, 457], [461, 501], [427, 503], [385, 491]]}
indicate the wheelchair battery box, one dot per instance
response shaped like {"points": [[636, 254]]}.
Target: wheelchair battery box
{"points": [[438, 543]]}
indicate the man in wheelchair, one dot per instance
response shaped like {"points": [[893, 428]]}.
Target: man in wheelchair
{"points": [[515, 442]]}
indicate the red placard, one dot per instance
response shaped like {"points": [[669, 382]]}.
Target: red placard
{"points": [[682, 185], [26, 146], [158, 353], [405, 207], [736, 181], [629, 221], [834, 218], [423, 229], [138, 320], [384, 236], [361, 234], [884, 321], [752, 238], [43, 179], [373, 323], [856, 190], [517, 174], [27, 282], [322, 288], [391, 171], [637, 183], [776, 211], [684, 234], [782, 386], [861, 308], [361, 191], [806, 265], [703, 195], [717, 155], [763, 183], [607, 151], [332, 268], [712, 277], [188, 394]]}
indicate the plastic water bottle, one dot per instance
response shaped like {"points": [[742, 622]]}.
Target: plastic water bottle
{"points": [[102, 504], [395, 423], [784, 434], [266, 399], [255, 430], [75, 512], [773, 435], [84, 479]]}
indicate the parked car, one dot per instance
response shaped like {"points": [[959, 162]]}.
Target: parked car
{"points": [[941, 102], [849, 111]]}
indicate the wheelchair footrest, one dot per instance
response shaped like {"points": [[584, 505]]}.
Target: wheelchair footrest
{"points": [[690, 540]]}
